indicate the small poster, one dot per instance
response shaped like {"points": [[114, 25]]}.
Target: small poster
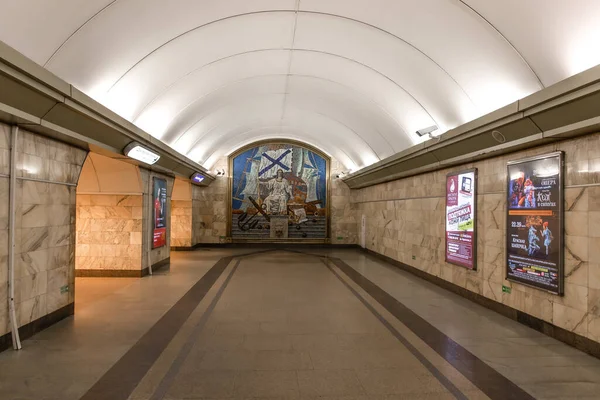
{"points": [[461, 203], [534, 222], [159, 207]]}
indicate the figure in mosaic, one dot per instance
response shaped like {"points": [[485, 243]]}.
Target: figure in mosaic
{"points": [[280, 191]]}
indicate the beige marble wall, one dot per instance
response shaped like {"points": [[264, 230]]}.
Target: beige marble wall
{"points": [[181, 223], [209, 207], [44, 222], [343, 211], [109, 232], [405, 221]]}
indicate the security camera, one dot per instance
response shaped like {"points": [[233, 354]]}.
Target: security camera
{"points": [[427, 131]]}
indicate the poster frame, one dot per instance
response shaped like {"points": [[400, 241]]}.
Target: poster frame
{"points": [[154, 228], [475, 219], [561, 219]]}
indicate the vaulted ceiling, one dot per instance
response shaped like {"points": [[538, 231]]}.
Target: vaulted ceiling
{"points": [[355, 78]]}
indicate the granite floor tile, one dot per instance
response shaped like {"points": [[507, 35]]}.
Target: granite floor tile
{"points": [[329, 383], [228, 360], [406, 381], [267, 342], [287, 328], [208, 384], [251, 384], [315, 341], [284, 360]]}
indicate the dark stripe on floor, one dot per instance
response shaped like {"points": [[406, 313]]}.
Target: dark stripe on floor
{"points": [[167, 381], [487, 379], [426, 363], [122, 378]]}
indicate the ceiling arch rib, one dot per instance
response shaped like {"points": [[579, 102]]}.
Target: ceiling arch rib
{"points": [[199, 141], [169, 113], [118, 47], [246, 118], [478, 15], [558, 41], [467, 47], [341, 102], [474, 56], [53, 26], [348, 115], [409, 68]]}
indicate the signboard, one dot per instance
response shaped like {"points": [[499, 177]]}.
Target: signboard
{"points": [[535, 222], [159, 212], [197, 178], [461, 204]]}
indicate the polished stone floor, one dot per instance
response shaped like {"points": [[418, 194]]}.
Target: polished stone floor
{"points": [[225, 324]]}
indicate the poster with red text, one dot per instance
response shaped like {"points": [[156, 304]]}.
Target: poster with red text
{"points": [[159, 208], [461, 203]]}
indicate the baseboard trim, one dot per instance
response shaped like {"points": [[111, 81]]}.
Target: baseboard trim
{"points": [[166, 263], [30, 329], [275, 245], [572, 339], [121, 273], [111, 273]]}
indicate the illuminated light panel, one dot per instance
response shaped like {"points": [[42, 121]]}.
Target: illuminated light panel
{"points": [[140, 153], [197, 178]]}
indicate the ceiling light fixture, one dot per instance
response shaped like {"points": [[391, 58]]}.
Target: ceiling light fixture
{"points": [[138, 152]]}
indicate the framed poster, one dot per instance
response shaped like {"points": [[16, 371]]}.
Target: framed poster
{"points": [[461, 223], [159, 212], [534, 247]]}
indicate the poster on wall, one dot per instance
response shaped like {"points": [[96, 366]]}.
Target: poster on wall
{"points": [[159, 207], [461, 224], [275, 183], [535, 222]]}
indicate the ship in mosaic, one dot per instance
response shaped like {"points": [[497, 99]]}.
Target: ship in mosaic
{"points": [[277, 182]]}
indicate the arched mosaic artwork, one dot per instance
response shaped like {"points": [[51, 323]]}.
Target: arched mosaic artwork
{"points": [[279, 191]]}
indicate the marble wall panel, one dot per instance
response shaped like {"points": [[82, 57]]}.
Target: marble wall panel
{"points": [[181, 223], [44, 223], [405, 221], [209, 208], [109, 231]]}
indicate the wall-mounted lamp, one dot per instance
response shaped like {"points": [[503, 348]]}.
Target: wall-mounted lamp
{"points": [[220, 172], [138, 152], [197, 178]]}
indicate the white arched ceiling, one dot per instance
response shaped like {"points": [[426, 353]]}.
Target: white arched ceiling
{"points": [[354, 78]]}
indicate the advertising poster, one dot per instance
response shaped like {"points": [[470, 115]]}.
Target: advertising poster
{"points": [[534, 222], [461, 202], [159, 207]]}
